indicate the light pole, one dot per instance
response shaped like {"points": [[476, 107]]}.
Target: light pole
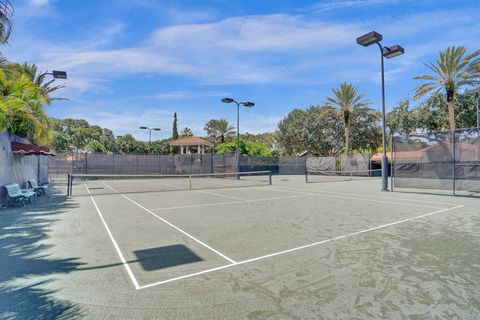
{"points": [[150, 132], [476, 91], [247, 104], [387, 52]]}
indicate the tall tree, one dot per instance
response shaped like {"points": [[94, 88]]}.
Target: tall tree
{"points": [[402, 119], [317, 130], [219, 129], [347, 101], [451, 71], [175, 129]]}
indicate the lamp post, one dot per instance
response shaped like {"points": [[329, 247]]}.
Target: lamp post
{"points": [[476, 91], [246, 104], [387, 52], [150, 132]]}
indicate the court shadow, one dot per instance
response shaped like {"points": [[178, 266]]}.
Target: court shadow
{"points": [[166, 257]]}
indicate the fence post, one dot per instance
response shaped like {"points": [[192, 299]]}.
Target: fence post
{"points": [[392, 168], [68, 184], [453, 163], [86, 163], [306, 170]]}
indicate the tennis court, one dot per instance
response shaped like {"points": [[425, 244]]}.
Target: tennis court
{"points": [[221, 247]]}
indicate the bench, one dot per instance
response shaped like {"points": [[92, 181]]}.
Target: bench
{"points": [[16, 195], [40, 190]]}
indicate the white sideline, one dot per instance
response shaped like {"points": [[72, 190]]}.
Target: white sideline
{"points": [[362, 195], [117, 248], [362, 198], [299, 248]]}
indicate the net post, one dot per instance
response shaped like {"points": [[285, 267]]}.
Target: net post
{"points": [[269, 178], [392, 168]]}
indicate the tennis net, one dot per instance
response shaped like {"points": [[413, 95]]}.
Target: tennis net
{"points": [[95, 184], [332, 176]]}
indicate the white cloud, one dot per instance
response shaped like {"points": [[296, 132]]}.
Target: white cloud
{"points": [[187, 95], [39, 3], [259, 49], [342, 4]]}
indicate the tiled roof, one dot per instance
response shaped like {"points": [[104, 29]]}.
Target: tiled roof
{"points": [[190, 141]]}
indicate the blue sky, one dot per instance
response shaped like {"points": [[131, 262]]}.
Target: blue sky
{"points": [[135, 62]]}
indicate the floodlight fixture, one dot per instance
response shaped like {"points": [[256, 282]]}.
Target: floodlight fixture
{"points": [[227, 100], [248, 104], [149, 132], [369, 39], [393, 51], [59, 74]]}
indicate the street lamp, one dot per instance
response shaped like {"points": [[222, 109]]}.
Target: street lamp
{"points": [[247, 104], [387, 52], [150, 132], [476, 91]]}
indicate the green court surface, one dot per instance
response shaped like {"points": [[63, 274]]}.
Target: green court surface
{"points": [[290, 250]]}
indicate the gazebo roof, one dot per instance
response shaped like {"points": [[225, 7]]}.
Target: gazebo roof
{"points": [[190, 141]]}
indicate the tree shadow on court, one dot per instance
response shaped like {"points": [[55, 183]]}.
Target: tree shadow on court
{"points": [[26, 267]]}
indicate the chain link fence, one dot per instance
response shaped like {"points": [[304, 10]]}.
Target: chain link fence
{"points": [[96, 163], [440, 160]]}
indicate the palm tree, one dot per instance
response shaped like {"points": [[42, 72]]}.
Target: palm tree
{"points": [[38, 78], [6, 12], [451, 71], [220, 128], [347, 100], [21, 105], [186, 132]]}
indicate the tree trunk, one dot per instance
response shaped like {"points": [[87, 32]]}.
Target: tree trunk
{"points": [[451, 115], [347, 139], [451, 110]]}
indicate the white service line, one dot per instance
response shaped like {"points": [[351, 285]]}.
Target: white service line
{"points": [[234, 202], [220, 195], [180, 230], [363, 198], [117, 248], [299, 248], [174, 226]]}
